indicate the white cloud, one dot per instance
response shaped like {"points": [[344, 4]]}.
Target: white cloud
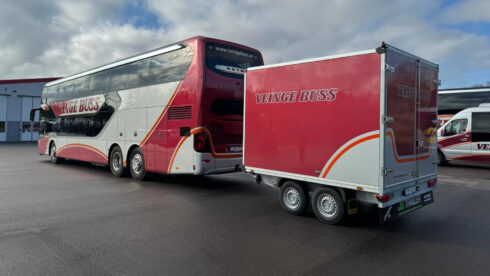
{"points": [[467, 11], [61, 38]]}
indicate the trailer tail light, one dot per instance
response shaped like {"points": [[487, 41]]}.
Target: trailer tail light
{"points": [[383, 198], [431, 183], [201, 143]]}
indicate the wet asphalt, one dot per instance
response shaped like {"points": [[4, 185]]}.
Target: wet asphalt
{"points": [[77, 219]]}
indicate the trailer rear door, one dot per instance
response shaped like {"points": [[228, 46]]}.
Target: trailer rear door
{"points": [[400, 119], [410, 118]]}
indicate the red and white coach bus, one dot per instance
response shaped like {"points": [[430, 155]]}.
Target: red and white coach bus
{"points": [[338, 130], [174, 110]]}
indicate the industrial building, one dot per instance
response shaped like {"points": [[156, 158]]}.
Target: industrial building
{"points": [[17, 98]]}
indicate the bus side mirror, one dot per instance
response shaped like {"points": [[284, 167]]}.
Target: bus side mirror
{"points": [[32, 115]]}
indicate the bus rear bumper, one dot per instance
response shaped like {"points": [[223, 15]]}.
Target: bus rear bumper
{"points": [[205, 163]]}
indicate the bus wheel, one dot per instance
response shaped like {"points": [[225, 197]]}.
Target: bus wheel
{"points": [[116, 162], [328, 205], [137, 164], [293, 198], [52, 154]]}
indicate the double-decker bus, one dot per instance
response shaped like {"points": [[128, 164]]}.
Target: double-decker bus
{"points": [[452, 101], [173, 110]]}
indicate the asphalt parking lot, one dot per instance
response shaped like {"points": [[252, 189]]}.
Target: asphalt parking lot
{"points": [[77, 219]]}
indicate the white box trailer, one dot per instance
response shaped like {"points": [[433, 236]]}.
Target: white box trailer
{"points": [[341, 129]]}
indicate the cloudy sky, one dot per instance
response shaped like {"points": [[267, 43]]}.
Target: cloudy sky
{"points": [[58, 38]]}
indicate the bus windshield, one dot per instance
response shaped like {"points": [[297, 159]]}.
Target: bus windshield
{"points": [[218, 55]]}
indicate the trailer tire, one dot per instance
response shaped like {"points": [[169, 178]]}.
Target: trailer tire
{"points": [[328, 205], [293, 198], [137, 164], [116, 162]]}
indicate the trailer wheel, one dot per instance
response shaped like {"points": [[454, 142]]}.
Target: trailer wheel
{"points": [[328, 205], [137, 164], [52, 154], [116, 162], [293, 198]]}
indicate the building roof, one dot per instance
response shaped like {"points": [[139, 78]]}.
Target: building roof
{"points": [[27, 80]]}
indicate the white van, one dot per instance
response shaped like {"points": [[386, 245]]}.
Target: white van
{"points": [[466, 136]]}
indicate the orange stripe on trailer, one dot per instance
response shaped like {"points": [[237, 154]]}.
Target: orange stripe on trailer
{"points": [[410, 159], [161, 115], [353, 144]]}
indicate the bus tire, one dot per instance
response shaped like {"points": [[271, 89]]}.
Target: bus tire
{"points": [[116, 162], [328, 205], [293, 198], [52, 154], [137, 164]]}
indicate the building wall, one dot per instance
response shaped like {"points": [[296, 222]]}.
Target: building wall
{"points": [[17, 98]]}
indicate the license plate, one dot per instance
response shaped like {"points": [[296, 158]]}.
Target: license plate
{"points": [[410, 190], [412, 202]]}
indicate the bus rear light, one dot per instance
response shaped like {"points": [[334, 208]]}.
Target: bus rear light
{"points": [[383, 198], [201, 143], [206, 161], [431, 183]]}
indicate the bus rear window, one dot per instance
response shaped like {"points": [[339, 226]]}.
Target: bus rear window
{"points": [[223, 107], [225, 55]]}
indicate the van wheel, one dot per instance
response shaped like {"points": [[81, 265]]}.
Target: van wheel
{"points": [[441, 159], [52, 154], [328, 205], [116, 162], [137, 164], [293, 198]]}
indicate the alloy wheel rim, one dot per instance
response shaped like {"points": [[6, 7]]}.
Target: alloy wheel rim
{"points": [[137, 163], [291, 198], [327, 205], [116, 161]]}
